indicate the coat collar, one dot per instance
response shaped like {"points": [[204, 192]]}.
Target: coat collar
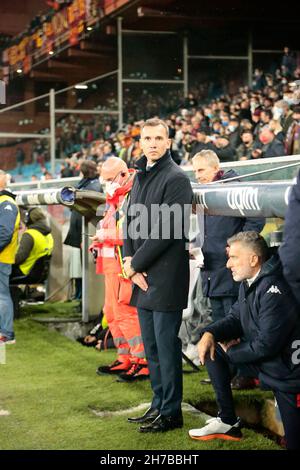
{"points": [[162, 162], [270, 267], [4, 192]]}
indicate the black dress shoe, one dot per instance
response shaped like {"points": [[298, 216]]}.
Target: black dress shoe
{"points": [[150, 415], [242, 383], [163, 423]]}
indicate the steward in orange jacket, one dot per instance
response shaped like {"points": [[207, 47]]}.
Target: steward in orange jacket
{"points": [[122, 318]]}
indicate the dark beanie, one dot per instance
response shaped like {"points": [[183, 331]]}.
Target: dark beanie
{"points": [[36, 214], [89, 169]]}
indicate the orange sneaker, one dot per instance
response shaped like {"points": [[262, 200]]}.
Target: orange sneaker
{"points": [[116, 367], [137, 372]]}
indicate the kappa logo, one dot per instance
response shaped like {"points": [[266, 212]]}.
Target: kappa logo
{"points": [[273, 290], [8, 208]]}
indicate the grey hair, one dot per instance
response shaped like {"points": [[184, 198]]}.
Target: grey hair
{"points": [[209, 156], [2, 172], [254, 241]]}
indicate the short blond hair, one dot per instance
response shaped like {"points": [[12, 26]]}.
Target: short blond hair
{"points": [[209, 156], [153, 122]]}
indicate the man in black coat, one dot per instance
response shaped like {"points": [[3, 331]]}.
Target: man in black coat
{"points": [[157, 261], [261, 332]]}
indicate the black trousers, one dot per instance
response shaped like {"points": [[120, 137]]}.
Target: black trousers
{"points": [[220, 306], [221, 372], [163, 352]]}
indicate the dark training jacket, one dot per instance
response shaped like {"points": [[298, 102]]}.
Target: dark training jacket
{"points": [[266, 318], [217, 280]]}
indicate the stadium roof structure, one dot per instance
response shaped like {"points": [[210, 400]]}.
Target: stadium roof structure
{"points": [[95, 51]]}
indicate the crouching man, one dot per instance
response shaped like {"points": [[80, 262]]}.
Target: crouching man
{"points": [[262, 332]]}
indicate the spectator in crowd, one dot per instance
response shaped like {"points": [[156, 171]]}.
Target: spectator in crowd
{"points": [[107, 151], [283, 112], [293, 134], [66, 171], [127, 146], [223, 149], [36, 242], [82, 139], [122, 318], [255, 119], [271, 146], [89, 181], [190, 101], [158, 264], [20, 159], [256, 335], [259, 81], [265, 117], [202, 142], [9, 226], [276, 128], [245, 149], [217, 281], [288, 62], [233, 132]]}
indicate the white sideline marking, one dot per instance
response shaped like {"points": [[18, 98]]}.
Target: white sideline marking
{"points": [[4, 413], [144, 406]]}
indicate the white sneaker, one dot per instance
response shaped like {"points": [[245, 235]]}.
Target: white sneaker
{"points": [[5, 340], [216, 429]]}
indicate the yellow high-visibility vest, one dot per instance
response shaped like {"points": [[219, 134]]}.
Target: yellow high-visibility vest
{"points": [[42, 246], [8, 254]]}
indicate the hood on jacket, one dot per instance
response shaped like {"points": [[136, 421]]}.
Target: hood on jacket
{"points": [[5, 192], [271, 266], [41, 225]]}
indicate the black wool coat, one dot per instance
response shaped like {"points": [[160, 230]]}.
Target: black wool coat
{"points": [[161, 249]]}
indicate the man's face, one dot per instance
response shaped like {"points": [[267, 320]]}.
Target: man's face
{"points": [[266, 137], [201, 137], [221, 142], [242, 261], [154, 142], [264, 117], [204, 172], [247, 138], [296, 116]]}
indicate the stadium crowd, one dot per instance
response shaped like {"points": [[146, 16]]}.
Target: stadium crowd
{"points": [[260, 122]]}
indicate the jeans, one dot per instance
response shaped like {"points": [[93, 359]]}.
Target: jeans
{"points": [[6, 305]]}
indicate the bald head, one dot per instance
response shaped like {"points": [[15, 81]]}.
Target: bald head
{"points": [[3, 180], [112, 167], [266, 136]]}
